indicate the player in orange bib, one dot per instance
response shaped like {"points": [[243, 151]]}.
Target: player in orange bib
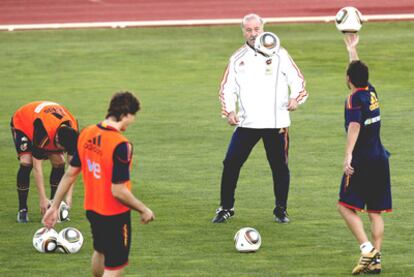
{"points": [[42, 130], [104, 157]]}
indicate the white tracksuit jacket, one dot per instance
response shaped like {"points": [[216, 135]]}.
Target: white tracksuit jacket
{"points": [[262, 87]]}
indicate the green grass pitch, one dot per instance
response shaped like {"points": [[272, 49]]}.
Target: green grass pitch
{"points": [[180, 141]]}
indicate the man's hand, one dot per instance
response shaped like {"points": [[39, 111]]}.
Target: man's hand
{"points": [[68, 201], [351, 42], [44, 205], [146, 216], [348, 169], [232, 118], [50, 217], [292, 105]]}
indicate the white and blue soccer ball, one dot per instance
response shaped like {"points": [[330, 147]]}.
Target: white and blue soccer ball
{"points": [[348, 20], [63, 214], [69, 240], [45, 240], [267, 43], [247, 239]]}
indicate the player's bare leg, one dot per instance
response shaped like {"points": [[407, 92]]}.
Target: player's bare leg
{"points": [[57, 159], [113, 273], [377, 234], [98, 264], [377, 229], [26, 159], [354, 223]]}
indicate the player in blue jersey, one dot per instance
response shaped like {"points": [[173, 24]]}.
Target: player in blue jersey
{"points": [[366, 181]]}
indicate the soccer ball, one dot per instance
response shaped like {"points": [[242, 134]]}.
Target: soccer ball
{"points": [[247, 239], [69, 240], [348, 20], [267, 43], [45, 240], [63, 213]]}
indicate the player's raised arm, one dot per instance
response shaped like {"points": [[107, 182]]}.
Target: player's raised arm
{"points": [[351, 42]]}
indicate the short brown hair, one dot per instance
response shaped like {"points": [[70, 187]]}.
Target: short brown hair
{"points": [[67, 137], [122, 104], [358, 74]]}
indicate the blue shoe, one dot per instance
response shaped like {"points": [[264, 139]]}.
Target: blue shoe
{"points": [[281, 215], [22, 216]]}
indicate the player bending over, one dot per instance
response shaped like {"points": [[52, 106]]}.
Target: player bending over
{"points": [[42, 130]]}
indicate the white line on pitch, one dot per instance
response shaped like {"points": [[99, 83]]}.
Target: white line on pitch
{"points": [[194, 22]]}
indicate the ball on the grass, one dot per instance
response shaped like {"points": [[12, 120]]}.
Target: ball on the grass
{"points": [[247, 239]]}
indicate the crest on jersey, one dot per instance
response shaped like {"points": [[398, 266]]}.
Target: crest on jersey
{"points": [[24, 144]]}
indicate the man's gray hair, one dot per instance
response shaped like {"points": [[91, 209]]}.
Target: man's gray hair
{"points": [[250, 17]]}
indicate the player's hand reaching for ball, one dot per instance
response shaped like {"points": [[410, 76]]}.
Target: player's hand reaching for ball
{"points": [[68, 201], [44, 205], [351, 42], [50, 218]]}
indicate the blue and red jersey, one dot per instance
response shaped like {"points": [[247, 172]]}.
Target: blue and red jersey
{"points": [[362, 106]]}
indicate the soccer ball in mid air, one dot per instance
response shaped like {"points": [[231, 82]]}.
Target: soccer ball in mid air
{"points": [[63, 214], [45, 240], [348, 20], [267, 43], [69, 240], [247, 239]]}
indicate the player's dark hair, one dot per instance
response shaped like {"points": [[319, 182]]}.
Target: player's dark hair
{"points": [[68, 138], [358, 74], [122, 104]]}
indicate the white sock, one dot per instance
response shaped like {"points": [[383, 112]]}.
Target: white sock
{"points": [[366, 247]]}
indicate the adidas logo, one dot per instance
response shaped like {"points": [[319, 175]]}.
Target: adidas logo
{"points": [[226, 215], [94, 145], [96, 140]]}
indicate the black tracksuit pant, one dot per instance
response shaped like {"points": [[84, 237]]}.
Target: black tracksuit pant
{"points": [[276, 143]]}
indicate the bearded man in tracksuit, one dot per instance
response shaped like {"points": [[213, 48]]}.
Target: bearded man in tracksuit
{"points": [[266, 89]]}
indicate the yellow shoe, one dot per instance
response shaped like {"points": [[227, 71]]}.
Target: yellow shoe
{"points": [[375, 266], [365, 261]]}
